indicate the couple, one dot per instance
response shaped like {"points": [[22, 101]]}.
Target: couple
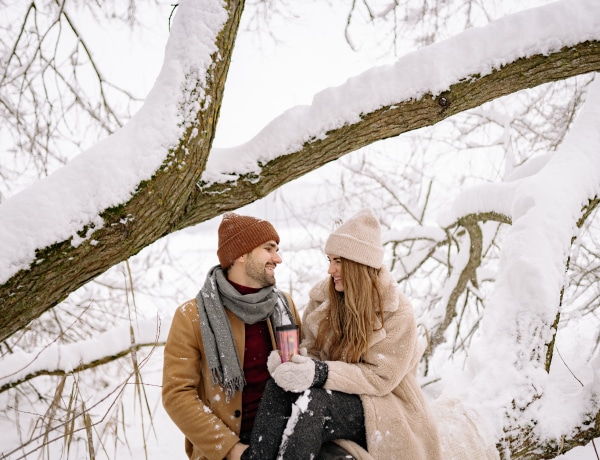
{"points": [[354, 382]]}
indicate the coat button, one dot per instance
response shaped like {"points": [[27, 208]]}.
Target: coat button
{"points": [[237, 413]]}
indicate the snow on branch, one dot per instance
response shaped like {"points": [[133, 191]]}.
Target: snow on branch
{"points": [[109, 173], [430, 70], [57, 359], [545, 209]]}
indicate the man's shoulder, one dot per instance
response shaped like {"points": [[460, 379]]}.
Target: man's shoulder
{"points": [[286, 297], [284, 294], [290, 305], [189, 308]]}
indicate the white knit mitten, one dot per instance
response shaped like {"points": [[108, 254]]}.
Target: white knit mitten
{"points": [[273, 361], [296, 375]]}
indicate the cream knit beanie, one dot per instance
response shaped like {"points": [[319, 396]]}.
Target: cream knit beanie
{"points": [[358, 239]]}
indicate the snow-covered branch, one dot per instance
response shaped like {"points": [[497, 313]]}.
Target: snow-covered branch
{"points": [[127, 191], [56, 359], [545, 209], [432, 73], [169, 202]]}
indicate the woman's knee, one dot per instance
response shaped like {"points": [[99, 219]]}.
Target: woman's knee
{"points": [[316, 400]]}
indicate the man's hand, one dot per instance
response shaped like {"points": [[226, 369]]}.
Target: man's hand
{"points": [[236, 451]]}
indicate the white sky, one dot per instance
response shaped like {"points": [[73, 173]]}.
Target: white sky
{"points": [[540, 205]]}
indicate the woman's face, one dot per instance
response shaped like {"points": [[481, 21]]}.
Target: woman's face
{"points": [[335, 270]]}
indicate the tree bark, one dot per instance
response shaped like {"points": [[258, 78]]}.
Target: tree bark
{"points": [[150, 214], [171, 201], [523, 445]]}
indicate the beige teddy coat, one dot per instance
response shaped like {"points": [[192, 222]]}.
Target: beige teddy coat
{"points": [[398, 421]]}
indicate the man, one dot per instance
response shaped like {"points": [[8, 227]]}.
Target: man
{"points": [[215, 358]]}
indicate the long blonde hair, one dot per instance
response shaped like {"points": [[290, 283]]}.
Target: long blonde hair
{"points": [[352, 313]]}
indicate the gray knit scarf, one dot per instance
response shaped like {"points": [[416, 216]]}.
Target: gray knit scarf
{"points": [[218, 294]]}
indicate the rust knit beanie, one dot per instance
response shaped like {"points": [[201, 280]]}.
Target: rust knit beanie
{"points": [[358, 239], [239, 235]]}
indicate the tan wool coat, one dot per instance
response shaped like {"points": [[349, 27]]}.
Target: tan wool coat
{"points": [[200, 410], [399, 424]]}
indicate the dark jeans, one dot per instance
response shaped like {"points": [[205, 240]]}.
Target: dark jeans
{"points": [[316, 417]]}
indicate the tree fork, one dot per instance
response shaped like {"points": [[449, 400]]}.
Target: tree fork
{"points": [[170, 201]]}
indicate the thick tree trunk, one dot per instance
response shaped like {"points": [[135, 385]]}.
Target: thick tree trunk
{"points": [[171, 201], [151, 213]]}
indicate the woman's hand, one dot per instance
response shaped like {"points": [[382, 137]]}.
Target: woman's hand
{"points": [[296, 375], [273, 361]]}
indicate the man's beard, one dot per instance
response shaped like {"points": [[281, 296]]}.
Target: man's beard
{"points": [[256, 271]]}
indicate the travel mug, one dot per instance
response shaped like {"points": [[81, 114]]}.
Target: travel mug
{"points": [[287, 341]]}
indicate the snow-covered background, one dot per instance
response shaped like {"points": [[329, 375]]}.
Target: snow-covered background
{"points": [[276, 98]]}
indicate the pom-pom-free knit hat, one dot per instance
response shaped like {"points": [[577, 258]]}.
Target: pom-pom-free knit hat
{"points": [[238, 235], [358, 239]]}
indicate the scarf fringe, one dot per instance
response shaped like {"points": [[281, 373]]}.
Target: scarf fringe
{"points": [[216, 376], [230, 387]]}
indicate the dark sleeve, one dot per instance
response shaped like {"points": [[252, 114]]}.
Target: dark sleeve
{"points": [[321, 373]]}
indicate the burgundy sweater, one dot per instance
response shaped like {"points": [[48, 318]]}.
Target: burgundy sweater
{"points": [[257, 349]]}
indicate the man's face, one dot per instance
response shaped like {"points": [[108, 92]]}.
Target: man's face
{"points": [[261, 263]]}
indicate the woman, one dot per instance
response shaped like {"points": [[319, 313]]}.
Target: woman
{"points": [[355, 380]]}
